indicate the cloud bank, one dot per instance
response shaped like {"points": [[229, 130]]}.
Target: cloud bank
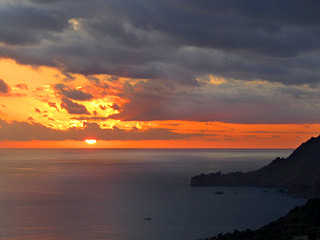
{"points": [[174, 42], [266, 52], [23, 131]]}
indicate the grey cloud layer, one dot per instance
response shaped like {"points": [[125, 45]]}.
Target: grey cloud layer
{"points": [[23, 25], [231, 101], [174, 44], [23, 131], [174, 41]]}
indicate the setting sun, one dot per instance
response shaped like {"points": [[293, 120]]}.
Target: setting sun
{"points": [[91, 141]]}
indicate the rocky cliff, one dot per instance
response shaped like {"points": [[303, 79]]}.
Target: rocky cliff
{"points": [[300, 221], [298, 174]]}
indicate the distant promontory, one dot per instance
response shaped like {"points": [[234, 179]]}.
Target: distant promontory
{"points": [[298, 175]]}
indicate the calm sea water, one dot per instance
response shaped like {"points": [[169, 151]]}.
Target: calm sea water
{"points": [[107, 194]]}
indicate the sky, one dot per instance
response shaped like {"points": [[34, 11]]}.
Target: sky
{"points": [[168, 74]]}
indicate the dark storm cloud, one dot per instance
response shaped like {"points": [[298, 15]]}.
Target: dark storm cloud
{"points": [[4, 88], [45, 1], [28, 25], [172, 41], [232, 102], [73, 94], [73, 107], [23, 131], [176, 44]]}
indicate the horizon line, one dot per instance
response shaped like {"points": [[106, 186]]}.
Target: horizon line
{"points": [[146, 148]]}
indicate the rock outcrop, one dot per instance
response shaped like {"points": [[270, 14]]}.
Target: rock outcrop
{"points": [[301, 221], [298, 174]]}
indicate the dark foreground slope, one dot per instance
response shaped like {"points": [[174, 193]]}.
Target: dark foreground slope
{"points": [[299, 221], [299, 174]]}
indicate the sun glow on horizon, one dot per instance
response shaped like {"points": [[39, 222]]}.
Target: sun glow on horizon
{"points": [[91, 141]]}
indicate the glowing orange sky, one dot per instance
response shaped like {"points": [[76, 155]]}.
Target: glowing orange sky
{"points": [[30, 104]]}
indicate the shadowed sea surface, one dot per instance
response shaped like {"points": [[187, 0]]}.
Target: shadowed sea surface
{"points": [[75, 194]]}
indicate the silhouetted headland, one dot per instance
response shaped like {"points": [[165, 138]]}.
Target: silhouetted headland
{"points": [[301, 221], [297, 175]]}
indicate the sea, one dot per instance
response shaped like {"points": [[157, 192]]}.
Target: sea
{"points": [[131, 194]]}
